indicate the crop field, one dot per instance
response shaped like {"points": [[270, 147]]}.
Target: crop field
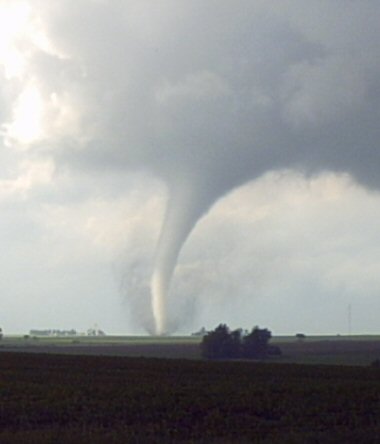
{"points": [[48, 398], [349, 351], [339, 350], [133, 346]]}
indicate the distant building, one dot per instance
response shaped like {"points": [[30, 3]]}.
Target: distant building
{"points": [[53, 333], [95, 332]]}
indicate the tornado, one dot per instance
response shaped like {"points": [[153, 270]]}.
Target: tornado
{"points": [[186, 204]]}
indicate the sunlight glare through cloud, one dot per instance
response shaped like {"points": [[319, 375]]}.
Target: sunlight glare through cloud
{"points": [[27, 115], [13, 20]]}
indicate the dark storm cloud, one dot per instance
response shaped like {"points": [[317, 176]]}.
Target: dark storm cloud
{"points": [[225, 90]]}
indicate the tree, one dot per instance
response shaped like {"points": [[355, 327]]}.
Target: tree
{"points": [[255, 344], [300, 336], [201, 332], [221, 343]]}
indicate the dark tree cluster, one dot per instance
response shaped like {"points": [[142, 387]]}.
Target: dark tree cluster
{"points": [[222, 343]]}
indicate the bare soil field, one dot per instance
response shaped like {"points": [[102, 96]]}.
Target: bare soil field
{"points": [[55, 398]]}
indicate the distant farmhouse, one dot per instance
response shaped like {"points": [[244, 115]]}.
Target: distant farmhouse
{"points": [[95, 332]]}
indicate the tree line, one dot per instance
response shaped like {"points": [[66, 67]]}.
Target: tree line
{"points": [[223, 343]]}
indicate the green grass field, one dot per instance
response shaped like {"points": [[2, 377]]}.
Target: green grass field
{"points": [[339, 350]]}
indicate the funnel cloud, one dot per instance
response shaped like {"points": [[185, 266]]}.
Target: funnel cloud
{"points": [[206, 97]]}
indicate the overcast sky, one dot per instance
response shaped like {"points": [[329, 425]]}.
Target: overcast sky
{"points": [[255, 122]]}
